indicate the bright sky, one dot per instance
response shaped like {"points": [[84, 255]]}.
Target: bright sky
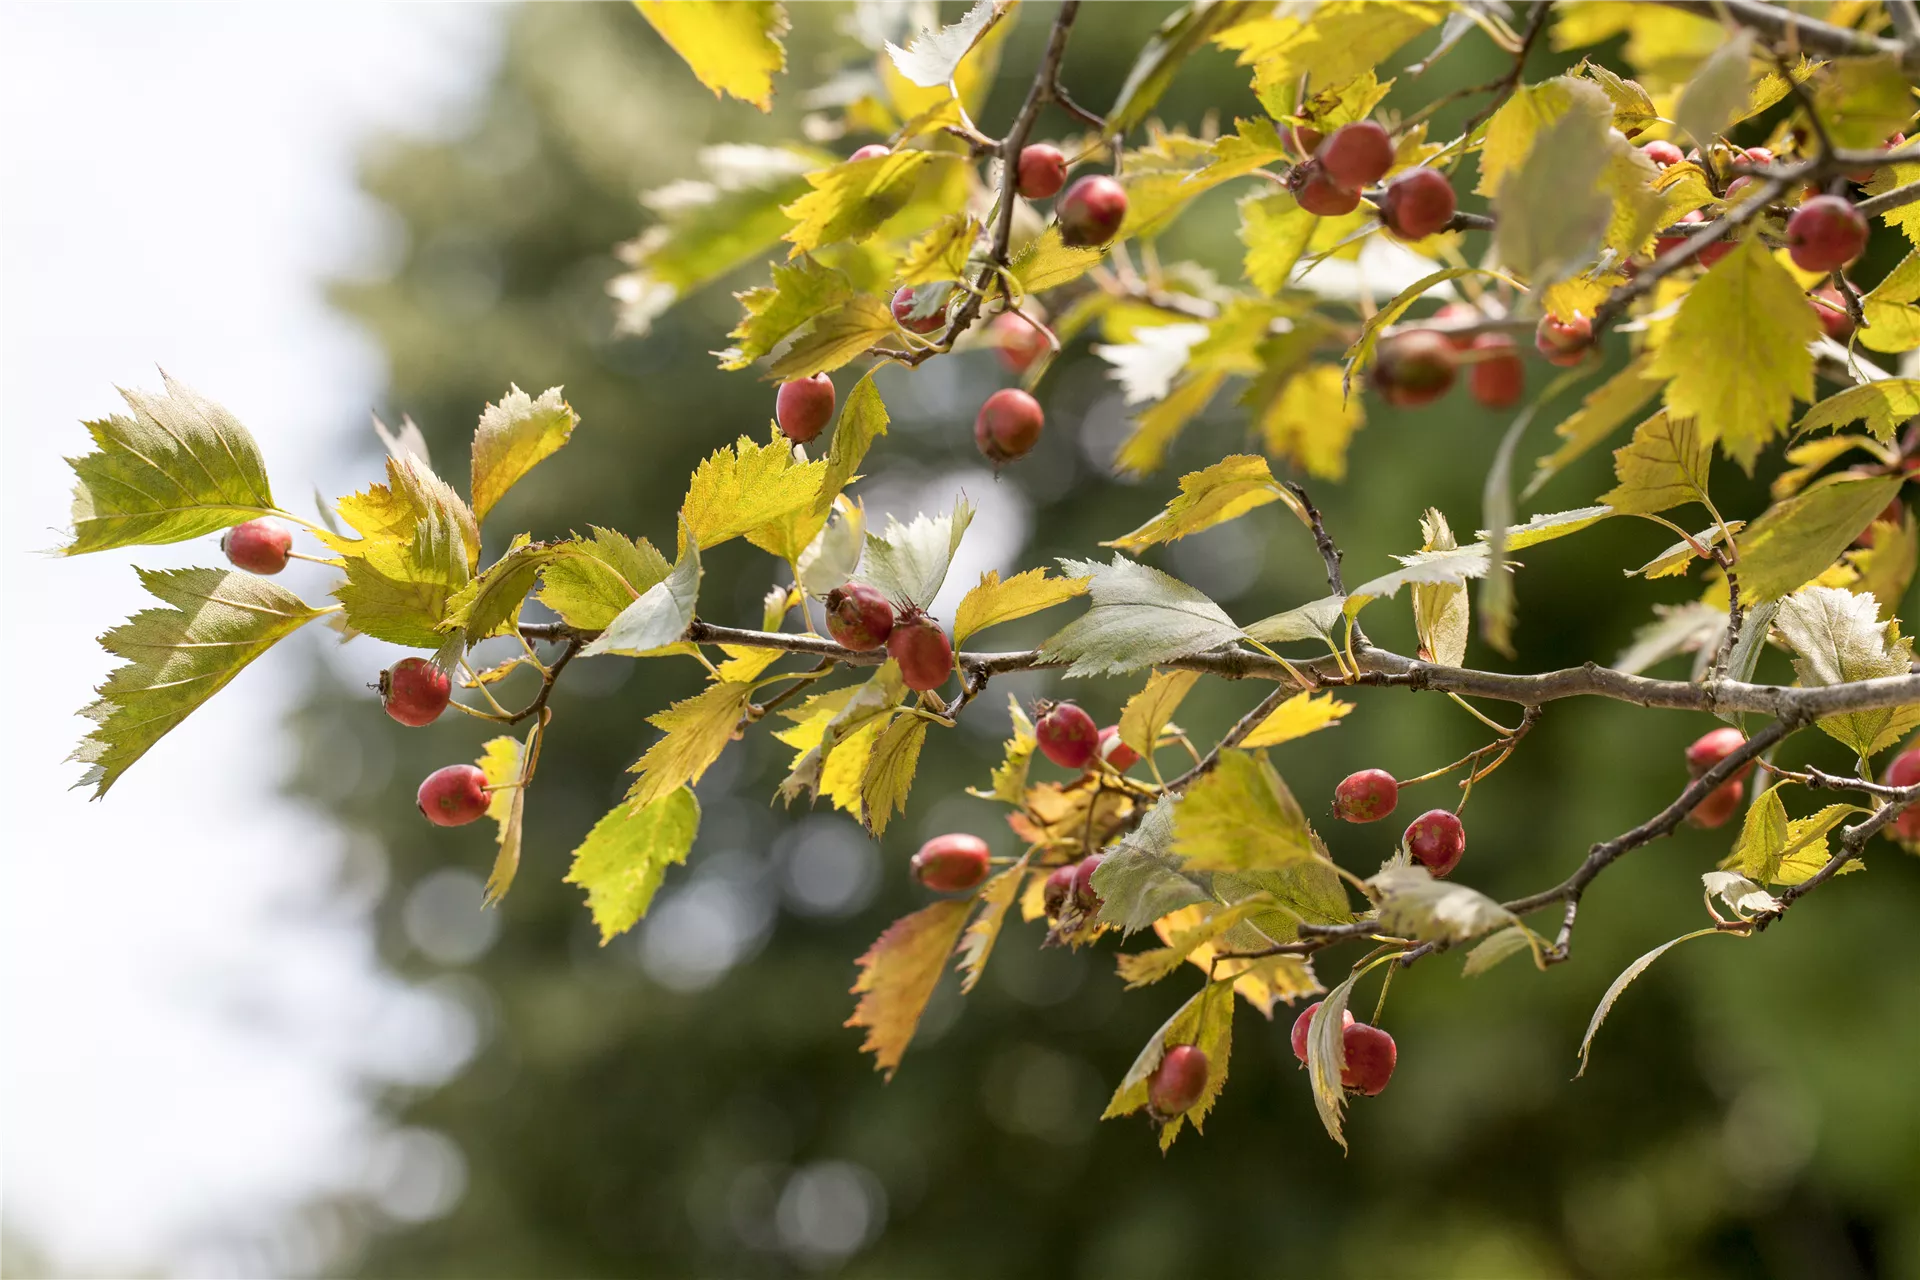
{"points": [[186, 1004]]}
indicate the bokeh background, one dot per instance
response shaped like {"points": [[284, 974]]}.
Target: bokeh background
{"points": [[258, 1025]]}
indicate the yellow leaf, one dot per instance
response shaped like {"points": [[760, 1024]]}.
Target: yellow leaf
{"points": [[1333, 42], [1664, 465], [846, 765], [1906, 217], [898, 974], [851, 199], [698, 730], [1440, 610], [1240, 817], [1047, 261], [1664, 44], [993, 602], [1884, 405], [1149, 712], [940, 254], [1806, 850], [1155, 430], [1808, 458], [1763, 837], [1010, 775], [515, 436], [1795, 540], [1206, 1021], [625, 857], [1885, 569], [1677, 558], [1599, 415], [1551, 209], [1311, 420], [1298, 716], [1893, 321], [1276, 231], [1737, 352], [863, 419], [889, 772], [1224, 491], [1864, 101], [836, 337], [800, 291], [733, 46], [1143, 968], [1514, 127], [977, 943], [508, 764], [740, 489]]}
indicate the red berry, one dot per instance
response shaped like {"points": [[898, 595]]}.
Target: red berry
{"points": [[1084, 896], [1710, 748], [1177, 1083], [1115, 752], [1866, 175], [1304, 1023], [1058, 890], [1904, 772], [1758, 155], [1418, 203], [803, 407], [1734, 188], [258, 546], [1436, 839], [859, 616], [1366, 796], [1008, 425], [1305, 139], [1319, 194], [1017, 342], [1043, 171], [1092, 210], [923, 651], [903, 313], [1456, 313], [1497, 380], [453, 796], [1832, 312], [1563, 342], [1413, 368], [1706, 257], [1357, 155], [1719, 805], [415, 691], [1068, 735], [1662, 153], [870, 151], [1370, 1055], [1825, 234], [951, 863]]}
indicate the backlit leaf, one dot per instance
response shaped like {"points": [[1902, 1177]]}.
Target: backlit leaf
{"points": [[1184, 31], [737, 490], [625, 857], [1333, 42], [833, 555], [733, 46], [1680, 628], [1149, 712], [513, 438], [697, 731], [1143, 968], [1893, 319], [976, 944], [889, 772], [1224, 491], [898, 974], [931, 57], [863, 419], [490, 603], [1311, 420], [1047, 261], [1904, 217], [419, 545], [1794, 540], [1718, 91], [1298, 716], [909, 562], [1140, 617], [1440, 610], [940, 254], [659, 616], [504, 762], [800, 292], [993, 602], [1806, 850], [1884, 405], [1205, 1021], [836, 337], [1552, 209], [1240, 817], [1664, 465], [1010, 775], [599, 577], [851, 199]]}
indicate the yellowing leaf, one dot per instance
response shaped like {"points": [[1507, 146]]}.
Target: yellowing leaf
{"points": [[1887, 567], [940, 254], [826, 727], [1206, 1021], [1551, 208], [216, 622], [836, 337], [851, 199], [1047, 261], [1142, 968], [1677, 558], [1311, 420], [1224, 491], [1884, 405], [1159, 425], [889, 772], [1763, 837], [661, 614], [1276, 232], [863, 419], [1806, 850], [1864, 101], [1240, 817], [733, 46], [800, 292], [1513, 129], [698, 730], [508, 765], [600, 576], [1149, 712], [1905, 217], [490, 603], [1664, 465], [1737, 352], [1809, 458], [514, 437], [1599, 415], [898, 974], [1333, 42], [977, 943], [1718, 92], [625, 857], [1010, 775], [1440, 610], [993, 602], [1837, 638], [1298, 716], [740, 489], [1795, 540]]}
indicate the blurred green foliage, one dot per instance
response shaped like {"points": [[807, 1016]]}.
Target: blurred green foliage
{"points": [[1750, 1110]]}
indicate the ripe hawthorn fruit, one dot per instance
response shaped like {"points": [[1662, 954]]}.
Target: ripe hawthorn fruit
{"points": [[1831, 309], [1720, 804], [453, 796], [1662, 153], [1436, 839], [903, 314], [1115, 752], [1366, 796], [1713, 746], [952, 863], [1318, 193], [1177, 1083], [1303, 1024], [1356, 155], [1067, 735], [1092, 210], [803, 407], [1058, 890], [1456, 313], [1008, 426], [1370, 1054], [1825, 234], [1563, 342], [1706, 257], [870, 151], [1305, 139], [1016, 342], [859, 616], [1904, 772], [1413, 368], [922, 649], [415, 691], [1084, 895], [1042, 171], [258, 546], [1417, 203], [1498, 379]]}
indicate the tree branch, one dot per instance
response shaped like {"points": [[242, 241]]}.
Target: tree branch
{"points": [[1797, 30], [1893, 199]]}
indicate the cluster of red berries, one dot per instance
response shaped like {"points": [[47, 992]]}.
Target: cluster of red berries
{"points": [[1437, 839], [1415, 205], [1417, 366], [1368, 1051], [861, 618], [1708, 750]]}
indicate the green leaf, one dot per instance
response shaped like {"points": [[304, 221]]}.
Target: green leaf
{"points": [[851, 199], [732, 46], [1863, 101], [1893, 321], [1333, 42], [1885, 406], [889, 772], [513, 438], [1664, 465], [1604, 410], [1183, 32], [1140, 618], [625, 857], [1240, 817], [1414, 905], [1224, 491], [490, 603], [660, 615], [1149, 712], [418, 547], [179, 467], [1141, 880], [1631, 972], [863, 419], [698, 730], [216, 622], [909, 562], [1298, 716], [1763, 836], [993, 602], [800, 292], [1552, 208], [1718, 92], [898, 974], [836, 337], [1837, 638], [1795, 540], [736, 491], [931, 57], [1205, 1021], [599, 577]]}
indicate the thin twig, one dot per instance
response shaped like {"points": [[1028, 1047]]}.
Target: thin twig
{"points": [[1505, 85]]}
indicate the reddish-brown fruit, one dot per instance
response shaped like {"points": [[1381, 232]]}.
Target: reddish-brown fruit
{"points": [[1563, 342], [1016, 342], [1738, 185], [1115, 752], [1831, 309], [1043, 171], [1706, 257], [453, 796], [859, 616], [1304, 1024], [1720, 805], [1417, 203], [1866, 175], [1904, 772], [1084, 895], [1366, 796], [1758, 155], [1067, 735], [1092, 210], [952, 863], [1825, 234], [1305, 139], [1008, 426], [1436, 839], [258, 546], [1413, 368], [1662, 153], [1713, 746], [1356, 155], [1498, 379], [415, 691], [923, 651], [1319, 194], [1370, 1054], [871, 151], [804, 407], [1058, 890], [1456, 313], [1177, 1083], [903, 314]]}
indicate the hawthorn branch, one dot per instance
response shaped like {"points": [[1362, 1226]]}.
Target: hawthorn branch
{"points": [[572, 645], [1503, 87], [1894, 199], [1798, 31]]}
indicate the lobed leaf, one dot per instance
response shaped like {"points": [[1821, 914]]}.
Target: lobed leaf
{"points": [[1298, 716], [1884, 405], [1140, 617], [1224, 491], [697, 731], [1837, 638], [993, 602], [1205, 1021], [898, 974], [889, 772], [513, 438], [732, 46], [1140, 879], [1440, 610], [1240, 816], [1664, 465], [660, 615], [932, 57], [736, 491], [976, 944], [625, 857], [909, 562], [1010, 775], [599, 577]]}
